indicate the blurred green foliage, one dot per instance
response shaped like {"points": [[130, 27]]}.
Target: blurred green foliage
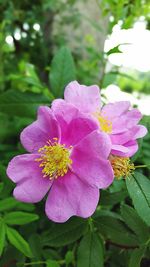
{"points": [[35, 66]]}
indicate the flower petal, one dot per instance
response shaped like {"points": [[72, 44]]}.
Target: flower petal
{"points": [[25, 171], [119, 148], [70, 196], [96, 144], [113, 110], [126, 121], [127, 150], [90, 160], [21, 167], [120, 139], [64, 110], [133, 117], [142, 131], [85, 98], [39, 132], [137, 131], [76, 130], [74, 124]]}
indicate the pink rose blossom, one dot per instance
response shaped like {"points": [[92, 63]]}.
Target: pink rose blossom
{"points": [[117, 119], [68, 159]]}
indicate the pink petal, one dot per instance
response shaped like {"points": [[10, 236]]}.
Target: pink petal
{"points": [[119, 126], [133, 117], [129, 134], [126, 121], [137, 131], [39, 132], [90, 160], [142, 131], [25, 171], [74, 125], [96, 144], [120, 139], [64, 110], [85, 98], [131, 147], [113, 110], [70, 196], [21, 167], [76, 130], [120, 148]]}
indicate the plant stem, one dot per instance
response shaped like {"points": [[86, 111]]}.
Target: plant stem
{"points": [[142, 166], [36, 262], [121, 246], [42, 262]]}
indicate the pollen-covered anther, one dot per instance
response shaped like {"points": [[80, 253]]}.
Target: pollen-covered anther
{"points": [[54, 159], [122, 166], [104, 122]]}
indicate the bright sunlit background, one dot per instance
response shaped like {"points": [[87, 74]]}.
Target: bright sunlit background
{"points": [[134, 45]]}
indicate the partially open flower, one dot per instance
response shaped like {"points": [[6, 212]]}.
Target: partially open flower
{"points": [[68, 158], [116, 119]]}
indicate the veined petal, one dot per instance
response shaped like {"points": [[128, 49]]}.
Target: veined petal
{"points": [[133, 116], [127, 121], [85, 98], [76, 130], [64, 110], [113, 110], [135, 132], [127, 150], [70, 196], [89, 160], [39, 132], [21, 167], [25, 171], [120, 148], [142, 131]]}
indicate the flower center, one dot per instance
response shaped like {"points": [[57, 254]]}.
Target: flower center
{"points": [[54, 159], [105, 124], [122, 167]]}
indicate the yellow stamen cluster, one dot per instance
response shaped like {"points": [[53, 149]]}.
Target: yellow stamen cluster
{"points": [[104, 122], [54, 159], [122, 166]]}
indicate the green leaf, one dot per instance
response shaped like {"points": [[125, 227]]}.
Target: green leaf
{"points": [[132, 219], [136, 257], [108, 198], [15, 103], [27, 74], [114, 50], [62, 71], [49, 253], [51, 263], [20, 218], [90, 251], [69, 257], [138, 187], [18, 241], [122, 74], [8, 203], [104, 212], [35, 244], [2, 236], [1, 186], [25, 206], [64, 234], [115, 230], [11, 203]]}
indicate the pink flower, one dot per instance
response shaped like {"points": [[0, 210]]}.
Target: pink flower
{"points": [[115, 119], [68, 159]]}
